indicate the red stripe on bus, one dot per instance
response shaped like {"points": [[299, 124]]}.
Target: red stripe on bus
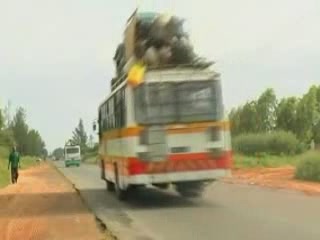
{"points": [[181, 162]]}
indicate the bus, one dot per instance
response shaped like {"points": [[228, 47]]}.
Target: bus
{"points": [[72, 155], [170, 130]]}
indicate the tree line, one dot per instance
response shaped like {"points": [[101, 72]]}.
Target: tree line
{"points": [[79, 137], [16, 132], [267, 113]]}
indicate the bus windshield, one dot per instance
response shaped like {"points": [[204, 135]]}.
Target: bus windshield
{"points": [[178, 102], [72, 150]]}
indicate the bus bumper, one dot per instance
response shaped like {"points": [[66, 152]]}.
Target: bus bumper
{"points": [[174, 177], [72, 163]]}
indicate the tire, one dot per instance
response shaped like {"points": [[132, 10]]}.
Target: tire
{"points": [[110, 186], [120, 193], [102, 170]]}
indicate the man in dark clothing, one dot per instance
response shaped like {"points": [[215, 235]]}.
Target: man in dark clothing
{"points": [[14, 162]]}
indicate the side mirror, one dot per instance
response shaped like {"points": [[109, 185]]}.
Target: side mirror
{"points": [[94, 126]]}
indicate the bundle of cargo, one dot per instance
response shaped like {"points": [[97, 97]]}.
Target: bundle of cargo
{"points": [[157, 40]]}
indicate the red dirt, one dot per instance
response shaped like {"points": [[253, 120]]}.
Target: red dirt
{"points": [[275, 178], [44, 206]]}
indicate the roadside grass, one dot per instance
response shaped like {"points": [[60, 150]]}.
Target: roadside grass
{"points": [[4, 173], [90, 158], [26, 162], [266, 160]]}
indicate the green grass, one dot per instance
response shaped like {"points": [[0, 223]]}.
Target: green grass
{"points": [[90, 158], [265, 160], [4, 173], [309, 167], [26, 162]]}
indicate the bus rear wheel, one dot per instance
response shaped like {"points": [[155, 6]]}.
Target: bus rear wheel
{"points": [[110, 186], [121, 193]]}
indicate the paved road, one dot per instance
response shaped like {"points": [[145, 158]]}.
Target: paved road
{"points": [[229, 212]]}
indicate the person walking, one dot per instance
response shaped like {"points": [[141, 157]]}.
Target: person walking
{"points": [[14, 163]]}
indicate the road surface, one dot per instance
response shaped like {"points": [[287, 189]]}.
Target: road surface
{"points": [[227, 211]]}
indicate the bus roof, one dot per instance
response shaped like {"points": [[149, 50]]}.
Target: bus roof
{"points": [[71, 146]]}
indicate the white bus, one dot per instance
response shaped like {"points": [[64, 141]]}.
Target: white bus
{"points": [[72, 156], [168, 130]]}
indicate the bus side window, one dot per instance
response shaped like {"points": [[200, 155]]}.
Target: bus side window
{"points": [[123, 108], [105, 114], [119, 109], [111, 113]]}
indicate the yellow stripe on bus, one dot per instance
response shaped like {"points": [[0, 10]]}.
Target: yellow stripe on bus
{"points": [[171, 129]]}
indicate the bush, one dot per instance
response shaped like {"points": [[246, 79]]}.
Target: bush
{"points": [[90, 157], [4, 152], [245, 161], [275, 143], [302, 147], [6, 138], [309, 167], [27, 161]]}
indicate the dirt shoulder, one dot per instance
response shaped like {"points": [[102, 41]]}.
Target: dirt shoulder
{"points": [[44, 206], [282, 177]]}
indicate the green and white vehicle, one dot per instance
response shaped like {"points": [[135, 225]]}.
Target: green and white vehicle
{"points": [[72, 156]]}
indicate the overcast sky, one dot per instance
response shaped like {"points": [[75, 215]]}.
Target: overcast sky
{"points": [[56, 55]]}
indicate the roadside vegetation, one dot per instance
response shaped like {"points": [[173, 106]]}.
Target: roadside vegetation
{"points": [[89, 149], [309, 167], [91, 157], [265, 160], [16, 132], [268, 132]]}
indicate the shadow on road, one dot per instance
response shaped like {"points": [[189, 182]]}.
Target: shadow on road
{"points": [[145, 198], [149, 198]]}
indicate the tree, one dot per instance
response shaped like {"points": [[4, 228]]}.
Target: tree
{"points": [[6, 138], [308, 115], [35, 146], [266, 111], [244, 119], [287, 114], [80, 137], [7, 114], [20, 130], [1, 120], [234, 117], [58, 153], [248, 118], [316, 125]]}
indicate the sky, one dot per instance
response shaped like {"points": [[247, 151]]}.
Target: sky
{"points": [[56, 55]]}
